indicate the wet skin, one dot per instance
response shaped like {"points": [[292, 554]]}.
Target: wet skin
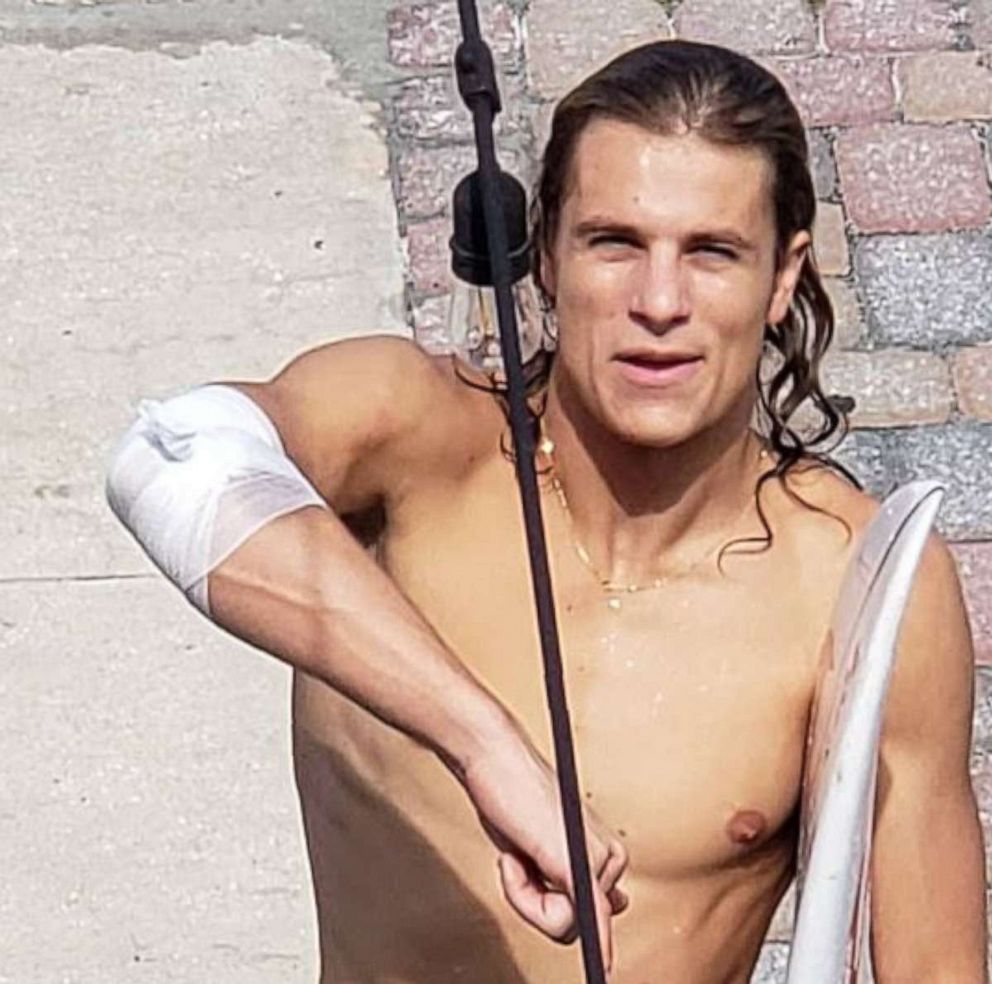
{"points": [[689, 711], [690, 702]]}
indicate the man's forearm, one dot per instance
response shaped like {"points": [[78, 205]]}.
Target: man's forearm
{"points": [[303, 589], [928, 890]]}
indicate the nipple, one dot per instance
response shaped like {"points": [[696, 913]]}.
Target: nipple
{"points": [[746, 826]]}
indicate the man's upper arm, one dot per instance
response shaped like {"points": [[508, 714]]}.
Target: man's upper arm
{"points": [[355, 414], [928, 864]]}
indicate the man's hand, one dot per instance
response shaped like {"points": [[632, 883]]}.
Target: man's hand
{"points": [[516, 795]]}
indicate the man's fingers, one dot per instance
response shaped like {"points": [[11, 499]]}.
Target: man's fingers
{"points": [[618, 899], [545, 909], [613, 866]]}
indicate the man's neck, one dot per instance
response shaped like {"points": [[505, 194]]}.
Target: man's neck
{"points": [[643, 512]]}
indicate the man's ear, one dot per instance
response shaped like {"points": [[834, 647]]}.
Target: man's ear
{"points": [[787, 276]]}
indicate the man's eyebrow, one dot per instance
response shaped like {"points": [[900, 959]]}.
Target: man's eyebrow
{"points": [[600, 223]]}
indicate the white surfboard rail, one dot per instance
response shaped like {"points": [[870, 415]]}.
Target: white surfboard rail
{"points": [[830, 939]]}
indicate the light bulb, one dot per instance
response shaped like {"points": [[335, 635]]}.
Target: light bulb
{"points": [[473, 324]]}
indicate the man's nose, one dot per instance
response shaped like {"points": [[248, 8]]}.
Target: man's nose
{"points": [[661, 296]]}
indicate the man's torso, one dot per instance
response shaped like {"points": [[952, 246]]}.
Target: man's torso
{"points": [[689, 707]]}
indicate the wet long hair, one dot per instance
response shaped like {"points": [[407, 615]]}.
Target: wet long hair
{"points": [[678, 87]]}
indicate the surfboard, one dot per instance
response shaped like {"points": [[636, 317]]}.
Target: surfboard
{"points": [[832, 924]]}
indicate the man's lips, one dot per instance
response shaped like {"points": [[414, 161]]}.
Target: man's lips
{"points": [[658, 368]]}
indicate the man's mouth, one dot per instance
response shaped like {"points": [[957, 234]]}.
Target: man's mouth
{"points": [[658, 369]]}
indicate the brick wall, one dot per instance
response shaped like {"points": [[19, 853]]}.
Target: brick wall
{"points": [[898, 100]]}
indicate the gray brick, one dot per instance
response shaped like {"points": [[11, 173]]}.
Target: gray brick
{"points": [[928, 290], [822, 164], [772, 964], [781, 929], [957, 455], [867, 455], [981, 743]]}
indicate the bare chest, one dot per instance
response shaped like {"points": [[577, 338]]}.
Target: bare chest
{"points": [[689, 702]]}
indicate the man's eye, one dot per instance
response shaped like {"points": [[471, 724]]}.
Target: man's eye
{"points": [[715, 249]]}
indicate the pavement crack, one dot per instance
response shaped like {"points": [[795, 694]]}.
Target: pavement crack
{"points": [[71, 578]]}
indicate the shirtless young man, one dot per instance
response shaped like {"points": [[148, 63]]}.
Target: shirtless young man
{"points": [[675, 215]]}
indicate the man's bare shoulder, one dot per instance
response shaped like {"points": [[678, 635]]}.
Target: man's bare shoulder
{"points": [[825, 520], [390, 377], [819, 513], [361, 415], [819, 497]]}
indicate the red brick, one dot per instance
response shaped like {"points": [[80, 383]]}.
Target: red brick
{"points": [[424, 35], [429, 255], [427, 177], [892, 387], [972, 369], [949, 85], [566, 41], [830, 240], [898, 178], [889, 25], [975, 564], [428, 108], [834, 90], [772, 26]]}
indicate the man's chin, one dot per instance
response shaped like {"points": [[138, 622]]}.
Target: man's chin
{"points": [[674, 421], [655, 434]]}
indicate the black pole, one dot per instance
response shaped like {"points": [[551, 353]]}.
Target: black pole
{"points": [[479, 90]]}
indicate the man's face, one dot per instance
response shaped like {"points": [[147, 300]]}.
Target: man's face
{"points": [[664, 274]]}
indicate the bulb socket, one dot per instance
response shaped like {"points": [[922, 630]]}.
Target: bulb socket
{"points": [[469, 245]]}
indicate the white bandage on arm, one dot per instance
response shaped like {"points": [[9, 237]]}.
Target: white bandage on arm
{"points": [[198, 474]]}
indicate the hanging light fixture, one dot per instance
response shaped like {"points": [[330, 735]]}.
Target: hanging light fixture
{"points": [[473, 321], [490, 198]]}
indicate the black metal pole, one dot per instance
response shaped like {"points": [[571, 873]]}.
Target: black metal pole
{"points": [[478, 87]]}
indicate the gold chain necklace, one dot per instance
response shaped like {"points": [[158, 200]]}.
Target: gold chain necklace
{"points": [[614, 591]]}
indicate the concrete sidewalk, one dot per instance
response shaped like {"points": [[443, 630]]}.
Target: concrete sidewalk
{"points": [[183, 199]]}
